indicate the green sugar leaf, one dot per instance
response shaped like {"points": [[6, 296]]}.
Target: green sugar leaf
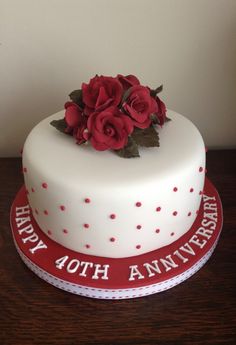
{"points": [[129, 151], [77, 97], [60, 125], [154, 92], [147, 137]]}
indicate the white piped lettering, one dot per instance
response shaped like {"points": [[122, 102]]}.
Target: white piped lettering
{"points": [[152, 267], [73, 265], [208, 206], [209, 223], [28, 229], [134, 272], [195, 240], [100, 269], [212, 216], [60, 263], [22, 210], [204, 232], [21, 221], [207, 198], [180, 256], [168, 263], [40, 245], [32, 238], [85, 265], [187, 249]]}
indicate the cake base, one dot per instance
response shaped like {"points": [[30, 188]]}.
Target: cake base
{"points": [[108, 278]]}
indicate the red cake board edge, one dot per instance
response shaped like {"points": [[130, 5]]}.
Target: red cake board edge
{"points": [[108, 278]]}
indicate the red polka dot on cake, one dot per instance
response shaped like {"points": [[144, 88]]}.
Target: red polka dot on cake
{"points": [[191, 190], [44, 185], [172, 234], [36, 211], [49, 232], [138, 204], [139, 227], [175, 189], [87, 200], [87, 246], [175, 213], [45, 212], [158, 209], [25, 170], [201, 192], [157, 231], [138, 246], [112, 216], [189, 214], [65, 231], [86, 226], [32, 190], [62, 207], [112, 239], [201, 169]]}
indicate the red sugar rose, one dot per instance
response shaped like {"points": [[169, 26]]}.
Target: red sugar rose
{"points": [[73, 115], [101, 92], [80, 132], [109, 129], [139, 105], [128, 81]]}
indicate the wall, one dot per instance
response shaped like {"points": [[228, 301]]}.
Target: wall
{"points": [[48, 47]]}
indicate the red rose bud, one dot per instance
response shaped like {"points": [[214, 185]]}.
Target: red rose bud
{"points": [[80, 132], [73, 114], [161, 111], [128, 81], [109, 129], [101, 92], [139, 106]]}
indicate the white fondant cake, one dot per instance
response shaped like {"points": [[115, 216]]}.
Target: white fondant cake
{"points": [[100, 204]]}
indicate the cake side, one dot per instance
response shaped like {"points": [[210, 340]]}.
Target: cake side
{"points": [[100, 204]]}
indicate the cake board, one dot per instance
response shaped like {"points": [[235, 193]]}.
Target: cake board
{"points": [[109, 278]]}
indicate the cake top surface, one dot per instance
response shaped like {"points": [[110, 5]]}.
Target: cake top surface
{"points": [[55, 152]]}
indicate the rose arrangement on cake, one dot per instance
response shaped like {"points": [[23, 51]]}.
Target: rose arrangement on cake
{"points": [[114, 113]]}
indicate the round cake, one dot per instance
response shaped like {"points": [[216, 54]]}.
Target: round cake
{"points": [[97, 203]]}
